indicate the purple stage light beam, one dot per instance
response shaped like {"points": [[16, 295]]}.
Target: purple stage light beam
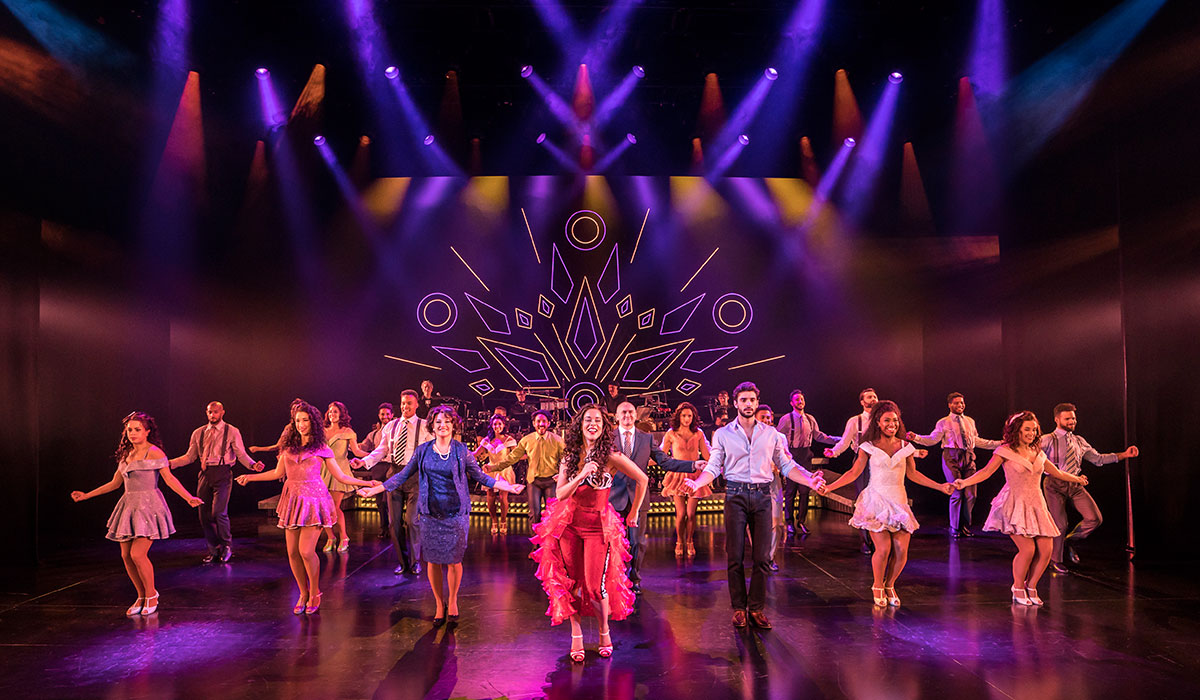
{"points": [[565, 160], [612, 156], [735, 128], [349, 192], [617, 97], [864, 175], [793, 56], [559, 24], [435, 158], [274, 115], [988, 58], [557, 105]]}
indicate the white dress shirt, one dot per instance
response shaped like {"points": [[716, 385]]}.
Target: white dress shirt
{"points": [[749, 460], [948, 432]]}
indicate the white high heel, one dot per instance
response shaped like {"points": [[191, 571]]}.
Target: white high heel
{"points": [[135, 609], [150, 609], [892, 599], [1019, 596], [881, 600], [1033, 596]]}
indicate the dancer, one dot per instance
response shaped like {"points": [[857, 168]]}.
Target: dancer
{"points": [[141, 515], [684, 441], [305, 506], [581, 549], [544, 450], [1019, 510], [802, 432], [379, 471], [341, 440], [493, 448], [766, 416], [639, 447], [881, 509], [217, 446], [743, 451], [397, 443], [1067, 451], [442, 466], [852, 438], [959, 438]]}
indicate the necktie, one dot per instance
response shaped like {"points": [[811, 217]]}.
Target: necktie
{"points": [[1070, 456], [401, 447], [208, 443], [805, 435], [962, 435], [627, 443]]}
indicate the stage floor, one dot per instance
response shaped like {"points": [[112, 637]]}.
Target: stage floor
{"points": [[226, 631]]}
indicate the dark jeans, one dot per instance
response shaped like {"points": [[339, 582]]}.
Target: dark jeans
{"points": [[405, 522], [748, 505], [792, 490], [377, 473], [215, 484], [537, 492]]}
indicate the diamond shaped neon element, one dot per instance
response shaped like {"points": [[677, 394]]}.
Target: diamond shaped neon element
{"points": [[526, 366], [674, 320], [625, 306], [495, 320], [524, 319], [545, 306], [688, 387], [703, 360], [560, 277], [482, 387], [610, 277], [642, 368], [645, 319], [469, 361]]}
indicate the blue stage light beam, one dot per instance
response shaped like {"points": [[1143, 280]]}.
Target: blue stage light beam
{"points": [[792, 61], [611, 157], [1038, 102], [79, 47], [350, 193], [565, 160], [617, 97], [863, 177], [556, 104], [737, 124], [988, 57], [559, 24], [434, 156]]}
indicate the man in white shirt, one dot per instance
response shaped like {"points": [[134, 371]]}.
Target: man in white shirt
{"points": [[1068, 450], [743, 451], [217, 446], [959, 438], [802, 432], [397, 442], [851, 436]]}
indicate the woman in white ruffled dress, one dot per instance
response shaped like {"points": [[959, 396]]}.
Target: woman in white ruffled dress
{"points": [[882, 508]]}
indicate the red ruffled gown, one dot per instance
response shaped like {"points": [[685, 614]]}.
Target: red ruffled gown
{"points": [[582, 553]]}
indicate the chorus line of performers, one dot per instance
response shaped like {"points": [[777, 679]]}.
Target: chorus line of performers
{"points": [[588, 492]]}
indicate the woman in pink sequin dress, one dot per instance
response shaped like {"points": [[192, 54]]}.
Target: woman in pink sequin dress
{"points": [[1019, 510], [305, 505]]}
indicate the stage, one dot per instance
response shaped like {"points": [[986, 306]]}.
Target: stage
{"points": [[226, 630]]}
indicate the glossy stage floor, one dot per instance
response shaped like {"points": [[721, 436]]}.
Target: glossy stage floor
{"points": [[226, 631]]}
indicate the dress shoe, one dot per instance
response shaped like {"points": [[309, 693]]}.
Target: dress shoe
{"points": [[739, 618], [759, 619], [791, 530], [416, 569], [226, 554], [452, 619], [209, 558], [636, 588], [867, 548], [439, 621], [803, 529], [964, 532], [1072, 555], [772, 565], [1058, 568], [399, 571]]}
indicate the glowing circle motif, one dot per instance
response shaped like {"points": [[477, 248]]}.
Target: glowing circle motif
{"points": [[732, 313], [582, 394], [437, 313], [585, 229]]}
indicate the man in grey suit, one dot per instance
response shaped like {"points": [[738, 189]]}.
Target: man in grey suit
{"points": [[639, 447]]}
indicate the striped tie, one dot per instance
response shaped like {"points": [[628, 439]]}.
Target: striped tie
{"points": [[401, 447], [1071, 463]]}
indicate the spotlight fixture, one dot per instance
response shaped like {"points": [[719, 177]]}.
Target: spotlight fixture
{"points": [[639, 71], [895, 78], [428, 140], [526, 71], [849, 142], [391, 72], [771, 74], [631, 139], [319, 140], [541, 137], [262, 73], [744, 139]]}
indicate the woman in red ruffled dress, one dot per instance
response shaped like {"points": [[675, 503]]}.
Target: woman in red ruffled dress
{"points": [[581, 549]]}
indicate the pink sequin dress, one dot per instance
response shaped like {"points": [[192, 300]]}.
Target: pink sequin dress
{"points": [[1020, 507], [305, 500]]}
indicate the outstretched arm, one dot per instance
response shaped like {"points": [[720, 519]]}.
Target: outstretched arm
{"points": [[670, 463], [910, 470], [112, 485], [981, 475], [276, 473], [189, 457], [1059, 474], [173, 484], [626, 466], [860, 463], [335, 470]]}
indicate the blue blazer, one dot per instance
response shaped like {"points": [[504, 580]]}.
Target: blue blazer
{"points": [[427, 463], [644, 449]]}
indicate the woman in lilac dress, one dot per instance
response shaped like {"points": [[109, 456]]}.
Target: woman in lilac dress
{"points": [[1019, 510], [305, 505], [141, 516]]}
